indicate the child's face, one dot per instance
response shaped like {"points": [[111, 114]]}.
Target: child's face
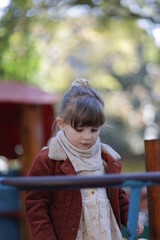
{"points": [[82, 137]]}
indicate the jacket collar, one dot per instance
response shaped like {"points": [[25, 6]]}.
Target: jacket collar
{"points": [[57, 152], [111, 165]]}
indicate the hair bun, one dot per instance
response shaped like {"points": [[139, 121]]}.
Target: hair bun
{"points": [[81, 82]]}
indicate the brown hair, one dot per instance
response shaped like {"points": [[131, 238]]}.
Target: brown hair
{"points": [[82, 105]]}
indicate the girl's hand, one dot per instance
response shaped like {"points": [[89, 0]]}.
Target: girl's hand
{"points": [[140, 229]]}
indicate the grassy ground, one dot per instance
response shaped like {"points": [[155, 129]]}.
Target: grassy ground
{"points": [[133, 165]]}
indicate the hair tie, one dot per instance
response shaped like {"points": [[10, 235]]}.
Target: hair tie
{"points": [[81, 82]]}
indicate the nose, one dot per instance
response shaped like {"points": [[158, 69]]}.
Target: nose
{"points": [[87, 135]]}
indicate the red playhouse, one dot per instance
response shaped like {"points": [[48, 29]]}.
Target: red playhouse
{"points": [[26, 120]]}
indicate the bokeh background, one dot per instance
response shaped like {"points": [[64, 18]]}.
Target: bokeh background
{"points": [[115, 44]]}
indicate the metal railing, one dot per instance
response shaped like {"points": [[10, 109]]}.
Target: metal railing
{"points": [[134, 181]]}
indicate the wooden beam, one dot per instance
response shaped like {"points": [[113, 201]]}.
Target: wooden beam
{"points": [[31, 135], [152, 156], [32, 141]]}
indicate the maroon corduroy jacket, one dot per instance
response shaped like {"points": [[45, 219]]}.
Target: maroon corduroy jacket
{"points": [[56, 214]]}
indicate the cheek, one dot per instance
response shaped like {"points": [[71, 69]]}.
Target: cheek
{"points": [[73, 138], [97, 135], [76, 137]]}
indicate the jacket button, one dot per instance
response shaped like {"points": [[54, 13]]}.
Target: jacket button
{"points": [[115, 163], [73, 229]]}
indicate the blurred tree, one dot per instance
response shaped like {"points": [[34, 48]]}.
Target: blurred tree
{"points": [[18, 59], [49, 43]]}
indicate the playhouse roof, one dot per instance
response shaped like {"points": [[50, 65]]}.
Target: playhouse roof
{"points": [[15, 92]]}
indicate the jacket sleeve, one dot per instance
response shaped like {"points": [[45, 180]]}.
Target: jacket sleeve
{"points": [[124, 206], [37, 202]]}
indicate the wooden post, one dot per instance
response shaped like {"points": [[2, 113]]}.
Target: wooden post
{"points": [[32, 138], [152, 155], [32, 134]]}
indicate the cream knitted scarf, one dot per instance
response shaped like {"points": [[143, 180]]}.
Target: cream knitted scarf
{"points": [[82, 160], [60, 148]]}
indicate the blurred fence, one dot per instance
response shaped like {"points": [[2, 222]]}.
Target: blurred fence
{"points": [[134, 181]]}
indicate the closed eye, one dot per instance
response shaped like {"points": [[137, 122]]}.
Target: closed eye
{"points": [[79, 129], [94, 129]]}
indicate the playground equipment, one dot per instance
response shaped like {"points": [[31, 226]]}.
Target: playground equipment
{"points": [[135, 181]]}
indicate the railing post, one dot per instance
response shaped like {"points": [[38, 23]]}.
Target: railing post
{"points": [[152, 156], [133, 212]]}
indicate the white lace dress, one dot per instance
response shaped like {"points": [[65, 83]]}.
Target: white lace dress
{"points": [[97, 220]]}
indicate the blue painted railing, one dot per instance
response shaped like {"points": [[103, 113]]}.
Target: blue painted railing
{"points": [[134, 181]]}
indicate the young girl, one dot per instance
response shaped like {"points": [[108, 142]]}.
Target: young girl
{"points": [[84, 214]]}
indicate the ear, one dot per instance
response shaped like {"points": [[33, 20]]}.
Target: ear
{"points": [[60, 123]]}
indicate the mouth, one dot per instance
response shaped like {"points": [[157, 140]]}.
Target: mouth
{"points": [[85, 144]]}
